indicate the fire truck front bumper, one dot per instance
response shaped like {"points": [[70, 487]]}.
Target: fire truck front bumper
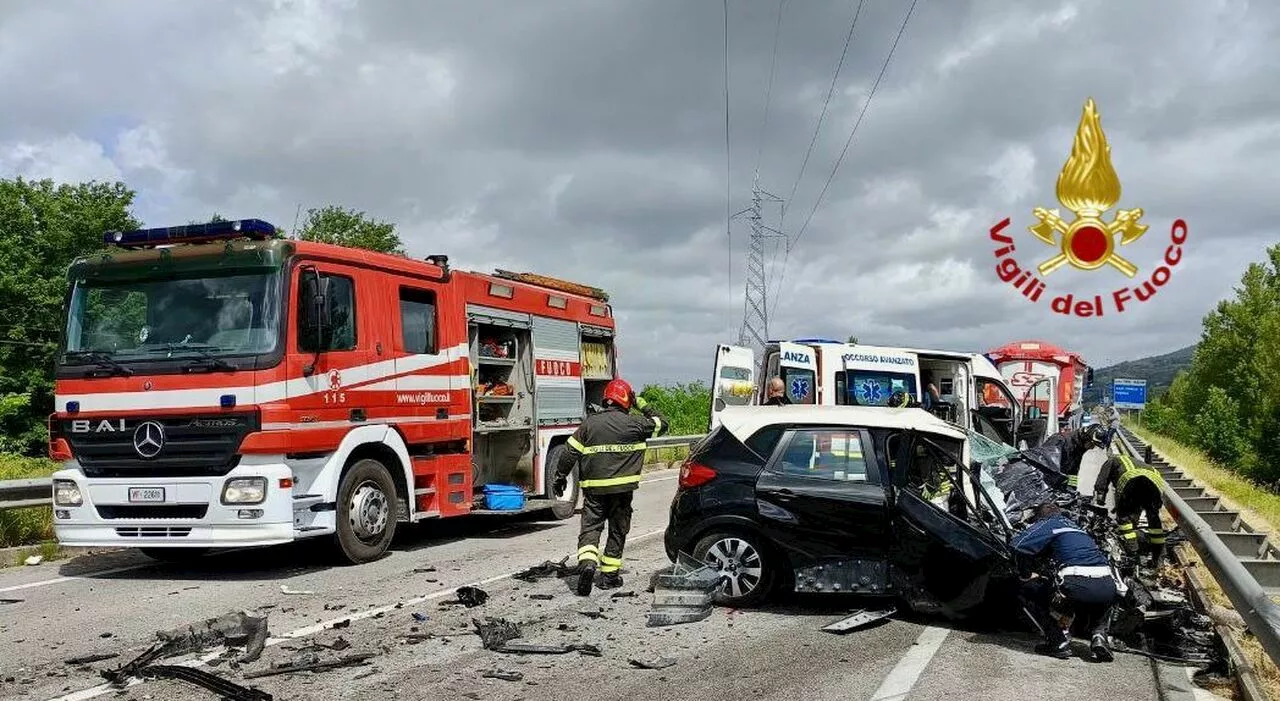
{"points": [[249, 506]]}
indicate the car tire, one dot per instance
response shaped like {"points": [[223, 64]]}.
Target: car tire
{"points": [[565, 506], [175, 555], [751, 568], [366, 512]]}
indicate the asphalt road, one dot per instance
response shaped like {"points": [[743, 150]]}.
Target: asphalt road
{"points": [[113, 603]]}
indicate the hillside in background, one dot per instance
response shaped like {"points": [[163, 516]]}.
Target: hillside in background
{"points": [[1158, 371]]}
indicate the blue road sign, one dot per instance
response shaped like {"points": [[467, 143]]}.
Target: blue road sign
{"points": [[1129, 394]]}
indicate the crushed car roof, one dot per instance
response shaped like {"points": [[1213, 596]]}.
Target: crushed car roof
{"points": [[744, 421]]}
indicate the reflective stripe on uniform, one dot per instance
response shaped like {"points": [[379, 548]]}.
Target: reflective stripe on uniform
{"points": [[1155, 536], [610, 481], [1073, 480], [610, 564], [589, 552], [657, 426], [1132, 470], [606, 448]]}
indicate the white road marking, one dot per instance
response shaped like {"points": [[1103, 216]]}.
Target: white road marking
{"points": [[101, 689], [903, 677], [117, 570]]}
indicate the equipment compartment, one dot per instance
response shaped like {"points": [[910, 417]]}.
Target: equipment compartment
{"points": [[503, 411]]}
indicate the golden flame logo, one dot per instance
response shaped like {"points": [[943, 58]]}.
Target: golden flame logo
{"points": [[1088, 186]]}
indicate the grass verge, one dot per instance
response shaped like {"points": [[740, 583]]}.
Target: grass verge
{"points": [[31, 525]]}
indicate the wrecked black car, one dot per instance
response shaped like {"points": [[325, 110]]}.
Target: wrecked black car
{"points": [[842, 499]]}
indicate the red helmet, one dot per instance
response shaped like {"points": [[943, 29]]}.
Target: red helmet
{"points": [[618, 392]]}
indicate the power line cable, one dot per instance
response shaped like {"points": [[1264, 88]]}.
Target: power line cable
{"points": [[814, 140], [728, 172], [839, 160], [768, 92]]}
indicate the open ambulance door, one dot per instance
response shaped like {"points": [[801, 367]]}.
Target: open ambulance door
{"points": [[798, 367], [1039, 413], [733, 382], [948, 542]]}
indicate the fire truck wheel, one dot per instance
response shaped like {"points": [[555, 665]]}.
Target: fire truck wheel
{"points": [[366, 512], [561, 507]]}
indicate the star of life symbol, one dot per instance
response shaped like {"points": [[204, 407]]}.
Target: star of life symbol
{"points": [[870, 391], [799, 388], [335, 380], [1088, 186]]}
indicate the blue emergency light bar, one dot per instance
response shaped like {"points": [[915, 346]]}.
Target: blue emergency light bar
{"points": [[192, 233]]}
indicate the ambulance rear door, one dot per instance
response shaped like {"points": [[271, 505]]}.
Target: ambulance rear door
{"points": [[734, 380], [798, 367]]}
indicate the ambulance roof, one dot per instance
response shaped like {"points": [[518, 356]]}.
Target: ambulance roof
{"points": [[744, 421]]}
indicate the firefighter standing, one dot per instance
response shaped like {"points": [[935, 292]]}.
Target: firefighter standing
{"points": [[609, 450], [1137, 492]]}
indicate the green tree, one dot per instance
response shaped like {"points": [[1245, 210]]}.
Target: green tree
{"points": [[686, 406], [43, 227], [351, 228]]}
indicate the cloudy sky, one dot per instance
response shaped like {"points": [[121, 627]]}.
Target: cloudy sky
{"points": [[586, 139]]}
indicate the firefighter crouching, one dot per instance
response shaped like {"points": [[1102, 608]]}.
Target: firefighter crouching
{"points": [[1137, 492], [609, 449]]}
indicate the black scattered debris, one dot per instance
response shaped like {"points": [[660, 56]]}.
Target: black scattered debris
{"points": [[655, 663], [472, 596], [566, 627], [593, 614], [545, 570], [419, 617], [541, 597], [532, 649], [311, 664], [11, 601], [225, 688], [495, 632], [334, 607], [622, 595], [504, 675], [858, 620], [367, 673], [424, 570], [683, 593], [105, 635], [233, 628], [342, 624], [90, 659]]}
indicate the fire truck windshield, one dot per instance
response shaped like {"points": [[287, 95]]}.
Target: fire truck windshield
{"points": [[153, 320]]}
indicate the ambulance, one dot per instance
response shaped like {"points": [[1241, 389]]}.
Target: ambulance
{"points": [[973, 392]]}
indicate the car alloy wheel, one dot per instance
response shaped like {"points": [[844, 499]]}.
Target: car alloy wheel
{"points": [[739, 563]]}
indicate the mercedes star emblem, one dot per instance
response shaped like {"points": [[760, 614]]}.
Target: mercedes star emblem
{"points": [[148, 439]]}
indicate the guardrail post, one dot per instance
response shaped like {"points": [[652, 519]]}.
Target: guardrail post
{"points": [[1147, 455]]}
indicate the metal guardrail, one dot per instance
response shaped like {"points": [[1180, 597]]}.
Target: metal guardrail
{"points": [[1243, 562], [21, 494]]}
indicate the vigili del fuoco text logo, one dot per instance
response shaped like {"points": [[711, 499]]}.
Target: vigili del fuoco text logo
{"points": [[1088, 187]]}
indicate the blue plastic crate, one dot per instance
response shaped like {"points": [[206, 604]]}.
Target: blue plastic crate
{"points": [[503, 497]]}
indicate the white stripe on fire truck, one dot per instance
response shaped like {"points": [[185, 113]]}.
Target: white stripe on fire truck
{"points": [[271, 392], [552, 354], [376, 421], [420, 382]]}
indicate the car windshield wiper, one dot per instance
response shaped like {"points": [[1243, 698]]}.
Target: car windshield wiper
{"points": [[100, 359]]}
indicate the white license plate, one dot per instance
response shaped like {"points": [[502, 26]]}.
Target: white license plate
{"points": [[146, 494]]}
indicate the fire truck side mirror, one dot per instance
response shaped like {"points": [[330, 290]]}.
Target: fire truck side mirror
{"points": [[315, 314]]}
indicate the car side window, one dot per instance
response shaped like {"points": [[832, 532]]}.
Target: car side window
{"points": [[341, 335], [829, 454], [765, 440]]}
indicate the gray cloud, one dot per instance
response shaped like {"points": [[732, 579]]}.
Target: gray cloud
{"points": [[586, 140]]}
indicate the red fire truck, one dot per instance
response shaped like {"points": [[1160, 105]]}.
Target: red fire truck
{"points": [[1025, 363], [221, 386]]}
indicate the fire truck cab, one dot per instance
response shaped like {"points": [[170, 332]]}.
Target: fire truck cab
{"points": [[972, 392], [220, 386]]}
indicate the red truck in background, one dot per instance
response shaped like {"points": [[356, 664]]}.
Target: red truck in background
{"points": [[1023, 363], [220, 386]]}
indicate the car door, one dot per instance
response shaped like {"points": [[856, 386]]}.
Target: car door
{"points": [[733, 380], [943, 559], [821, 497], [1038, 422]]}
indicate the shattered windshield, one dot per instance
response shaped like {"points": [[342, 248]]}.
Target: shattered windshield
{"points": [[140, 320]]}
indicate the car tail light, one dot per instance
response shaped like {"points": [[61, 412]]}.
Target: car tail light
{"points": [[693, 474]]}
